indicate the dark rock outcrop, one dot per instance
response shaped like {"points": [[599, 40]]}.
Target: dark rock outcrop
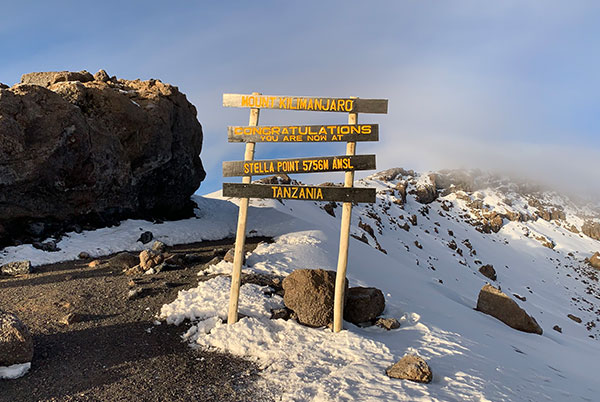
{"points": [[16, 343], [488, 271], [363, 304], [411, 367], [493, 302], [310, 293], [79, 151]]}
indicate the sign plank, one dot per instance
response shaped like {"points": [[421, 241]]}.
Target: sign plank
{"points": [[300, 165], [316, 133], [348, 105], [315, 193]]}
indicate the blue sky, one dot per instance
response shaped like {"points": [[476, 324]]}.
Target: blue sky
{"points": [[509, 85]]}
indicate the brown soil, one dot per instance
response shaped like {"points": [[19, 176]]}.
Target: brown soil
{"points": [[116, 352]]}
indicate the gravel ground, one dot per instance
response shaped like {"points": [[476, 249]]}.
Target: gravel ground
{"points": [[114, 352]]}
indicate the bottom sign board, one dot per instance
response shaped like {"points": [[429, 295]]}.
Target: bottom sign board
{"points": [[315, 193]]}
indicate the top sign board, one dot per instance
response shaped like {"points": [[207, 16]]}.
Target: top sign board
{"points": [[348, 105]]}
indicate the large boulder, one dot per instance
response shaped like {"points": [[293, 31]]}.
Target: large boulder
{"points": [[494, 302], [310, 293], [82, 151], [16, 343], [591, 229], [363, 304]]}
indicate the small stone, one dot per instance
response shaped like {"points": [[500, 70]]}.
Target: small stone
{"points": [[150, 259], [281, 313], [230, 255], [159, 246], [137, 270], [488, 271], [574, 318], [146, 237], [135, 293], [387, 323], [71, 318], [16, 268], [83, 255], [411, 367], [557, 328], [94, 264]]}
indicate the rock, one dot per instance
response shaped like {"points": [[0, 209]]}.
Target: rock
{"points": [[411, 367], [49, 246], [47, 79], [329, 208], [493, 302], [135, 293], [104, 152], [488, 271], [426, 192], [146, 237], [557, 328], [281, 313], [591, 229], [16, 268], [594, 260], [3, 86], [71, 318], [401, 189], [101, 75], [16, 343], [159, 246], [94, 264], [574, 318], [363, 304], [495, 223], [277, 179], [230, 255], [84, 255], [123, 260], [150, 259], [309, 293], [387, 323], [134, 271]]}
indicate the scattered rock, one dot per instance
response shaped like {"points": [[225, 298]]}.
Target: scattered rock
{"points": [[388, 323], [83, 255], [71, 318], [150, 259], [411, 367], [418, 245], [591, 229], [494, 302], [522, 298], [426, 193], [16, 342], [329, 208], [16, 268], [363, 304], [574, 318], [159, 246], [146, 237], [309, 293], [134, 271], [557, 328], [488, 271], [135, 293], [94, 264], [101, 75], [49, 246]]}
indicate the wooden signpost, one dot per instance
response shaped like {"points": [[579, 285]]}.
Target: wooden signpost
{"points": [[349, 163]]}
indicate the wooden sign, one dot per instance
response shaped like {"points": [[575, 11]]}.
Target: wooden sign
{"points": [[315, 104], [329, 133], [300, 165], [313, 193]]}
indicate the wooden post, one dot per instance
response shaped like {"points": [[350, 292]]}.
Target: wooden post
{"points": [[240, 237], [340, 278]]}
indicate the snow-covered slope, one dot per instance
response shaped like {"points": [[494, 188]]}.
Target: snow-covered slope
{"points": [[425, 257]]}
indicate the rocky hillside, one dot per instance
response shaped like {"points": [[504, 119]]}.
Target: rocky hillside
{"points": [[79, 151], [492, 226]]}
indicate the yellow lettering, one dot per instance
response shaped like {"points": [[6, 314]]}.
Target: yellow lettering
{"points": [[318, 104], [349, 105], [274, 191], [319, 194], [310, 105], [302, 103], [245, 101], [282, 103], [340, 104], [365, 129]]}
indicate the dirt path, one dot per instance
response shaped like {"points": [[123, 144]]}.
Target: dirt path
{"points": [[115, 352]]}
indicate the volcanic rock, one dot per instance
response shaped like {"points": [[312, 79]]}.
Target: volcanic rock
{"points": [[411, 367], [488, 271], [309, 293], [594, 260], [16, 343], [363, 304], [75, 150], [494, 302], [16, 268]]}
